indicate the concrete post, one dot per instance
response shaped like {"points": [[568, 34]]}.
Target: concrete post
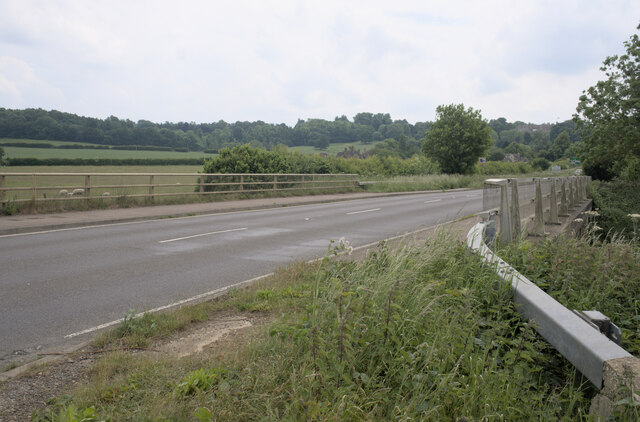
{"points": [[538, 222], [578, 189], [564, 209], [516, 229], [505, 214], [572, 197], [553, 209], [621, 379]]}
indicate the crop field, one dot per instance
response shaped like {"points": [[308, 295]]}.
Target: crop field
{"points": [[44, 153]]}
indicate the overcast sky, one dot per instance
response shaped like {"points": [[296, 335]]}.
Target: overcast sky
{"points": [[278, 61]]}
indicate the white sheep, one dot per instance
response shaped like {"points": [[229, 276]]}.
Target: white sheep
{"points": [[63, 192], [77, 192], [106, 194]]}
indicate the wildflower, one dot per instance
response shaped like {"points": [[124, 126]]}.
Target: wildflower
{"points": [[578, 220], [634, 216], [596, 227], [592, 213]]}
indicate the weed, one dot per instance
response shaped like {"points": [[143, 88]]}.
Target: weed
{"points": [[199, 381]]}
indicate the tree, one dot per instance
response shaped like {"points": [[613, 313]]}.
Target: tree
{"points": [[457, 138], [608, 117], [560, 145], [1, 156]]}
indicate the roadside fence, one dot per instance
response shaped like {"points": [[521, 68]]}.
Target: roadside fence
{"points": [[48, 187], [537, 201]]}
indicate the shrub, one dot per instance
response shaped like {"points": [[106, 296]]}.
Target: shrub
{"points": [[540, 163]]}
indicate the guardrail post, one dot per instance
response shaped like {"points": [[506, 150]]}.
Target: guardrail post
{"points": [[275, 182], [241, 182], [33, 189], [505, 214], [553, 209], [515, 210], [151, 187], [576, 194], [538, 220], [564, 209], [201, 184], [87, 186]]}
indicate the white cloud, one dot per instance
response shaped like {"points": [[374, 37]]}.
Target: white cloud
{"points": [[21, 88], [282, 60]]}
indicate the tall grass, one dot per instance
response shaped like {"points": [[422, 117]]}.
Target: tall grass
{"points": [[422, 333], [586, 274]]}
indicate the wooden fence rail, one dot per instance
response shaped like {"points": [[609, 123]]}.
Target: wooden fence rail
{"points": [[46, 187]]}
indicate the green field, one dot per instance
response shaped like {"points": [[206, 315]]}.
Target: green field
{"points": [[334, 148], [40, 141], [44, 153], [101, 169]]}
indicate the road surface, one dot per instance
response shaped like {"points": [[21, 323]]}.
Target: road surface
{"points": [[57, 284]]}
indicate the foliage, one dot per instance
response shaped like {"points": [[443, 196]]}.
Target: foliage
{"points": [[247, 159], [62, 411], [457, 138], [318, 133], [540, 163], [608, 116], [586, 274], [615, 200], [2, 160], [199, 381]]}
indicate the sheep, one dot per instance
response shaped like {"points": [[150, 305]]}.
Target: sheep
{"points": [[63, 193], [106, 194], [77, 192]]}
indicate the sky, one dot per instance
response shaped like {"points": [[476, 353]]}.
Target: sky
{"points": [[280, 61]]}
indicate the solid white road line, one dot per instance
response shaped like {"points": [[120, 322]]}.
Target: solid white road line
{"points": [[433, 200], [216, 292], [360, 212], [203, 234]]}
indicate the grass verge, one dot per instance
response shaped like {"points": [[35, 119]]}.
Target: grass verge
{"points": [[419, 333], [585, 274]]}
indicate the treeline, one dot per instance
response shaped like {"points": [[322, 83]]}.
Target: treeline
{"points": [[60, 126], [543, 143]]}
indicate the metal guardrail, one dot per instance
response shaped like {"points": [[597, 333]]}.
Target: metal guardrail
{"points": [[576, 339], [543, 199], [46, 187]]}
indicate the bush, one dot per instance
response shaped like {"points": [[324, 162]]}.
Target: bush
{"points": [[615, 200], [540, 163]]}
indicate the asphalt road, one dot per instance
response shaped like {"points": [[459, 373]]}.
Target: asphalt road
{"points": [[57, 284]]}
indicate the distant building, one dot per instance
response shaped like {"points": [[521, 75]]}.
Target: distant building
{"points": [[351, 152], [515, 158]]}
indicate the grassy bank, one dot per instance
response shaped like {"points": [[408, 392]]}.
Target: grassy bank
{"points": [[587, 274], [422, 333]]}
